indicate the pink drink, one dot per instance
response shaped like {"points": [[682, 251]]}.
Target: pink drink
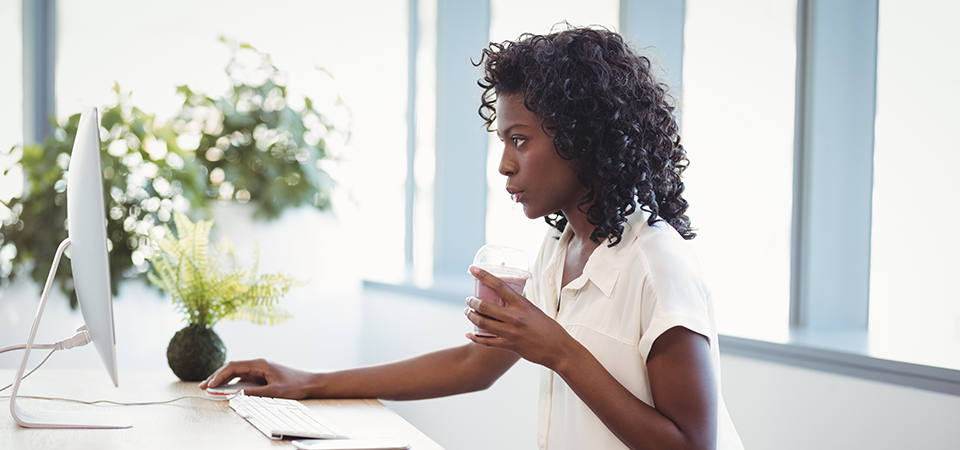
{"points": [[486, 293], [506, 263]]}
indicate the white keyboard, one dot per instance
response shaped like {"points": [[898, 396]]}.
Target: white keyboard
{"points": [[279, 418]]}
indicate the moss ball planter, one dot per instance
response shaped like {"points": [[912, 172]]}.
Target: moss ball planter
{"points": [[195, 352]]}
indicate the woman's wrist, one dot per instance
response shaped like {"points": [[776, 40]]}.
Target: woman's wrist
{"points": [[315, 385], [571, 356]]}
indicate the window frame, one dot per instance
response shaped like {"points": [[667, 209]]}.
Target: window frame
{"points": [[832, 212]]}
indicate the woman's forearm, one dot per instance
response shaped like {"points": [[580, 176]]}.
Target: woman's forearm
{"points": [[451, 371]]}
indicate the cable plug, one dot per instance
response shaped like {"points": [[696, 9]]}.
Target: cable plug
{"points": [[80, 339]]}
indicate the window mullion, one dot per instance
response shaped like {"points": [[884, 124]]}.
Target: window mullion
{"points": [[460, 201], [39, 57], [659, 25], [836, 104]]}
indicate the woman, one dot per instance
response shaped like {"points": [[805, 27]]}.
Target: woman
{"points": [[620, 318]]}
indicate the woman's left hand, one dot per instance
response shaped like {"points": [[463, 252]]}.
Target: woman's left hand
{"points": [[519, 325]]}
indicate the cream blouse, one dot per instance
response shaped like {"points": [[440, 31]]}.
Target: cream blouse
{"points": [[627, 296]]}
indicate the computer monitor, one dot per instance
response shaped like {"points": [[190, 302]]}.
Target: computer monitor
{"points": [[87, 227], [87, 239]]}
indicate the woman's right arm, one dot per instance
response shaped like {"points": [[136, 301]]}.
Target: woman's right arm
{"points": [[467, 368]]}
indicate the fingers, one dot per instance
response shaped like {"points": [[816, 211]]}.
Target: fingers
{"points": [[261, 391], [249, 370], [487, 316], [487, 309], [487, 341], [217, 378], [507, 293]]}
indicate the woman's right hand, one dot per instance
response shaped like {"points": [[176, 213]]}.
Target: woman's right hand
{"points": [[277, 380]]}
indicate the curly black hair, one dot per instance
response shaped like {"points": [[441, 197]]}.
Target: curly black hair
{"points": [[605, 111]]}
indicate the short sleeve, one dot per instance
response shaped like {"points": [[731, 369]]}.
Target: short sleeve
{"points": [[674, 294]]}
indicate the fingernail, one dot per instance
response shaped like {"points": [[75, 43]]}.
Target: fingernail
{"points": [[466, 311], [474, 270]]}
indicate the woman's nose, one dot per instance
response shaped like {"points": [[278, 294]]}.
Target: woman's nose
{"points": [[508, 166]]}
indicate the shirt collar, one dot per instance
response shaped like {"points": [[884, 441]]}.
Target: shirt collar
{"points": [[604, 265]]}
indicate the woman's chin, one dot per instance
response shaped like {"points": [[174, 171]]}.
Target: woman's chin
{"points": [[531, 213]]}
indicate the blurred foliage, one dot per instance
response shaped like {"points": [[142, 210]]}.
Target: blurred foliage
{"points": [[255, 147], [144, 180], [210, 286], [247, 145]]}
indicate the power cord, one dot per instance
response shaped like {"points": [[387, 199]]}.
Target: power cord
{"points": [[77, 340], [80, 339], [95, 402], [30, 372]]}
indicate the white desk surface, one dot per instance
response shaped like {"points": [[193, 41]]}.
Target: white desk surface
{"points": [[186, 424]]}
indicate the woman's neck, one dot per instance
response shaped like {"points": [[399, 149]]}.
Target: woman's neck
{"points": [[580, 246], [579, 224]]}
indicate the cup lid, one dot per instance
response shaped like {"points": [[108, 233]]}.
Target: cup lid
{"points": [[501, 258]]}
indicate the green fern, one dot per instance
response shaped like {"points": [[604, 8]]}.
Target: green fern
{"points": [[208, 288]]}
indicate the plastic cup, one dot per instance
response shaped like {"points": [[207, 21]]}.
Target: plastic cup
{"points": [[507, 263]]}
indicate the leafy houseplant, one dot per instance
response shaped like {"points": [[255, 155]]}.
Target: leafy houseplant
{"points": [[207, 288], [254, 145], [144, 179]]}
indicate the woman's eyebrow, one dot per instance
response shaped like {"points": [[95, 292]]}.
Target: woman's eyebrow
{"points": [[511, 127]]}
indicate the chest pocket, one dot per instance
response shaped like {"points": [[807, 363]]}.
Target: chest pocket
{"points": [[588, 308]]}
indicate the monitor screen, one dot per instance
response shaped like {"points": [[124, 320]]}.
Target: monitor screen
{"points": [[87, 224]]}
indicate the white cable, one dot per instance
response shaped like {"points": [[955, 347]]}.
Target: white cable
{"points": [[77, 340], [28, 373], [83, 338], [23, 346], [216, 399]]}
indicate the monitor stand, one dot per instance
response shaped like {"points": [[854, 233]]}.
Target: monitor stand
{"points": [[57, 419]]}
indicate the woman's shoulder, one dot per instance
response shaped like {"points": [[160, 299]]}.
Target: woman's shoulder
{"points": [[660, 250]]}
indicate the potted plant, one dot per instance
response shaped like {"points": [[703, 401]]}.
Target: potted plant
{"points": [[208, 287]]}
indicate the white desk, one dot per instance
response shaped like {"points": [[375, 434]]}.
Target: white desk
{"points": [[186, 424]]}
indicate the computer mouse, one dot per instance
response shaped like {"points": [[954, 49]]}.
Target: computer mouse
{"points": [[232, 388]]}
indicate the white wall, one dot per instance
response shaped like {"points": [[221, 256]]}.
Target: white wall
{"points": [[776, 406]]}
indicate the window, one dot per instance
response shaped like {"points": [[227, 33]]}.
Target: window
{"points": [[916, 155], [737, 126], [178, 43]]}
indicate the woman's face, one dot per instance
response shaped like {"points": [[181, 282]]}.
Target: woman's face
{"points": [[537, 177]]}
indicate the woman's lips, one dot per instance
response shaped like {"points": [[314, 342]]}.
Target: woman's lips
{"points": [[515, 195]]}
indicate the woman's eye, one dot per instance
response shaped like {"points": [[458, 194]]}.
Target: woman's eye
{"points": [[518, 141]]}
